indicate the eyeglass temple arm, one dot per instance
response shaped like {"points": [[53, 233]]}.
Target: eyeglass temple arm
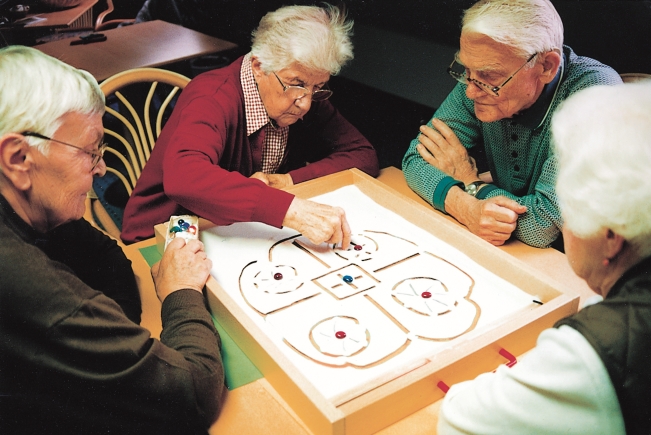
{"points": [[497, 88]]}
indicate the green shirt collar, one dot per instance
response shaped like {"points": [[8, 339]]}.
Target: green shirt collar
{"points": [[535, 116]]}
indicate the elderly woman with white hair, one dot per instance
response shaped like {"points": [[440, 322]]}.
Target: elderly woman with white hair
{"points": [[240, 134], [590, 374], [513, 72], [73, 357]]}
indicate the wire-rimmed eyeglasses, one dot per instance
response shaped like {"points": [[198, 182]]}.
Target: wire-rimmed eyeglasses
{"points": [[96, 155], [462, 77], [297, 92]]}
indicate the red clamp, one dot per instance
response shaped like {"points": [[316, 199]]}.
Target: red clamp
{"points": [[508, 355], [512, 360]]}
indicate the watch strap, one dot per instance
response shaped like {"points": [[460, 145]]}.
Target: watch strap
{"points": [[485, 190]]}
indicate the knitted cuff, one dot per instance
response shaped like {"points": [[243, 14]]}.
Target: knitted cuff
{"points": [[441, 192]]}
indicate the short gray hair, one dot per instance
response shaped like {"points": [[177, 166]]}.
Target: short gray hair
{"points": [[316, 38], [527, 26], [36, 90], [602, 137]]}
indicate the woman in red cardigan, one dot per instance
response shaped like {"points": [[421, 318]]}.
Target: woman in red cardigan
{"points": [[240, 134]]}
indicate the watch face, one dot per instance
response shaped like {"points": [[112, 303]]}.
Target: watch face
{"points": [[473, 188]]}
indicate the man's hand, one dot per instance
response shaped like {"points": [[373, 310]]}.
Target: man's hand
{"points": [[492, 219], [183, 266], [318, 222], [277, 181], [443, 150]]}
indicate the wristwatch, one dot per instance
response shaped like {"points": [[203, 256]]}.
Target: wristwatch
{"points": [[472, 188]]}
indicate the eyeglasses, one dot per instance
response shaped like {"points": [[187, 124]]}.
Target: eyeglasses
{"points": [[298, 92], [96, 155], [462, 77]]}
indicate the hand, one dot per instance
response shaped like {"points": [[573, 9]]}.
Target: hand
{"points": [[277, 181], [318, 222], [492, 219], [443, 150], [183, 266]]}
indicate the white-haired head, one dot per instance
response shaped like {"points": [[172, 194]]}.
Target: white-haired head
{"points": [[602, 137], [316, 38], [526, 26], [36, 90]]}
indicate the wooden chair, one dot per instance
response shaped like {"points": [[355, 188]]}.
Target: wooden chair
{"points": [[634, 77], [138, 103], [100, 24]]}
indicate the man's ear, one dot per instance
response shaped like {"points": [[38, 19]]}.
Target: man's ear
{"points": [[15, 160], [551, 62]]}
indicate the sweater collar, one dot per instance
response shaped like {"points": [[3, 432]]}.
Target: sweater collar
{"points": [[535, 116], [641, 268], [11, 219]]}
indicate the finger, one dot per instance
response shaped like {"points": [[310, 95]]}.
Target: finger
{"points": [[446, 132], [425, 154], [195, 245], [336, 237], [473, 163], [500, 215], [515, 206], [431, 138], [176, 243], [347, 233], [495, 235], [497, 242]]}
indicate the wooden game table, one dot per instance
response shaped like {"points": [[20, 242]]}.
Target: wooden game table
{"points": [[252, 406]]}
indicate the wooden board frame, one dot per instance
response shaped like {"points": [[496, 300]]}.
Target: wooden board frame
{"points": [[401, 395]]}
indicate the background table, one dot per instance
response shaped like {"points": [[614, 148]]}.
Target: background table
{"points": [[256, 408], [148, 44]]}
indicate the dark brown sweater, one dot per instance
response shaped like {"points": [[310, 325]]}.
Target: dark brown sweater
{"points": [[72, 360]]}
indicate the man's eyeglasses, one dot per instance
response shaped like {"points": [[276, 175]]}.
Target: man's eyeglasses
{"points": [[460, 74], [96, 155], [298, 92]]}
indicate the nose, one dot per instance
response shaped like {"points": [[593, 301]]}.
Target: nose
{"points": [[304, 103], [100, 169], [473, 91]]}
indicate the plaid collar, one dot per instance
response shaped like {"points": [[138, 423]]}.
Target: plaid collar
{"points": [[256, 114]]}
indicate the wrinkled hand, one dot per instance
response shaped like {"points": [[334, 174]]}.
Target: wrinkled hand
{"points": [[493, 219], [277, 181], [318, 222], [443, 150], [183, 266]]}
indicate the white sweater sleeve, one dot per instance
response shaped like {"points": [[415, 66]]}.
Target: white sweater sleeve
{"points": [[560, 387]]}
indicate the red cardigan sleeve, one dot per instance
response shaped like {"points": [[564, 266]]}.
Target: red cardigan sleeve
{"points": [[208, 159]]}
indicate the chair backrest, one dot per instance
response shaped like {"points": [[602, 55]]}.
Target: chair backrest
{"points": [[634, 77], [138, 103], [100, 24]]}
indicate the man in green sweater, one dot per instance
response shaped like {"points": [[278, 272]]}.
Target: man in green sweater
{"points": [[513, 72], [73, 358]]}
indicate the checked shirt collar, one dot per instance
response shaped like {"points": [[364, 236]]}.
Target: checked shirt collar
{"points": [[275, 139]]}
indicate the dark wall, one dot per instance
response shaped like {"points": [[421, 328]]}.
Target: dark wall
{"points": [[617, 33]]}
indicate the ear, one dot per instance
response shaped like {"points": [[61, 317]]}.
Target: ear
{"points": [[551, 62], [256, 67], [16, 160], [614, 244]]}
